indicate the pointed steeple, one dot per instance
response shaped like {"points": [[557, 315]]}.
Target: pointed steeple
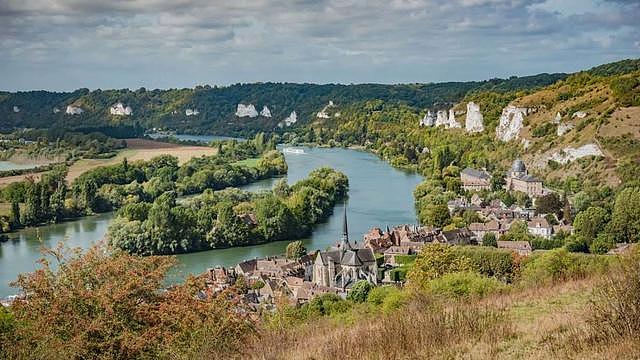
{"points": [[344, 239]]}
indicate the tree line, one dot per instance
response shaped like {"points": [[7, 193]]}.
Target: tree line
{"points": [[226, 218]]}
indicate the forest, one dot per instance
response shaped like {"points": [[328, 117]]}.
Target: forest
{"points": [[226, 218], [50, 199]]}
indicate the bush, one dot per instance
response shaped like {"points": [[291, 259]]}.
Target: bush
{"points": [[359, 291], [490, 261], [465, 285], [434, 261], [559, 264]]}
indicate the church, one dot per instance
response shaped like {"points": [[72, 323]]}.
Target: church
{"points": [[344, 265]]}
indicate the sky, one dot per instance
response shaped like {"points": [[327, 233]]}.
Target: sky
{"points": [[67, 44]]}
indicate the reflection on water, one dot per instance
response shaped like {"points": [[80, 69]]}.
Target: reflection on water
{"points": [[379, 195]]}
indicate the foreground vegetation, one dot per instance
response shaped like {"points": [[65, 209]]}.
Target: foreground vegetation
{"points": [[553, 305]]}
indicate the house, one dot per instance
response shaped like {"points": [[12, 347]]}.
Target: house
{"points": [[391, 253], [457, 237], [539, 226], [521, 247], [496, 227], [475, 180], [344, 265], [518, 179]]}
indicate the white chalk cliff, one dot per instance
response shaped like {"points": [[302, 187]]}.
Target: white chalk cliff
{"points": [[441, 118], [428, 119], [16, 109], [452, 120], [56, 110], [73, 110], [563, 128], [322, 114], [265, 112], [289, 120], [570, 154], [579, 115], [120, 110], [475, 121], [246, 110], [557, 119], [191, 112], [511, 122]]}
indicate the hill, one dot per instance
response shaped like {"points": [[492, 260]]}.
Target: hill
{"points": [[206, 109]]}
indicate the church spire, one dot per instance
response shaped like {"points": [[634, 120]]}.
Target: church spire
{"points": [[344, 240]]}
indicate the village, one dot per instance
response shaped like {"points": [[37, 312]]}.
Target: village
{"points": [[380, 257]]}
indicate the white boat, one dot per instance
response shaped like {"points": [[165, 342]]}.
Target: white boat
{"points": [[289, 150]]}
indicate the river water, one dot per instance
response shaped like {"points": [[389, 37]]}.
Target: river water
{"points": [[379, 195]]}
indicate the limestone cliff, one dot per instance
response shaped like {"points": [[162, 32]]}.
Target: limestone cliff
{"points": [[475, 121], [428, 119], [511, 122], [246, 111], [120, 110], [73, 110], [265, 112]]}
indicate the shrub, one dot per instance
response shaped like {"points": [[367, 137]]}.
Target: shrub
{"points": [[490, 261], [559, 264], [359, 291], [489, 239], [465, 285], [434, 261]]}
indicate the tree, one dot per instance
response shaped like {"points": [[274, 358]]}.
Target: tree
{"points": [[489, 239], [625, 221], [435, 215], [518, 231], [590, 222], [107, 304], [434, 261], [296, 250], [549, 204], [359, 291]]}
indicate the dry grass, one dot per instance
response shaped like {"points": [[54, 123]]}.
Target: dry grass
{"points": [[137, 149], [535, 323]]}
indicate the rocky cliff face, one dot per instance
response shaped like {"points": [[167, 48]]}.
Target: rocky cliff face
{"points": [[265, 112], [563, 129], [511, 122], [120, 110], [570, 154], [453, 123], [428, 119], [246, 111], [323, 114], [475, 121], [16, 109], [191, 112], [289, 120], [441, 118], [73, 110]]}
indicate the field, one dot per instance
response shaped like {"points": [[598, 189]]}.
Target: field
{"points": [[137, 149], [253, 162]]}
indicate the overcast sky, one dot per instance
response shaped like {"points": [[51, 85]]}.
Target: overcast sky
{"points": [[67, 44]]}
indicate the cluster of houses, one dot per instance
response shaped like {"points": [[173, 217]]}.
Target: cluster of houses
{"points": [[338, 268]]}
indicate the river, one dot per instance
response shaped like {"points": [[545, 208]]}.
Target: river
{"points": [[379, 195]]}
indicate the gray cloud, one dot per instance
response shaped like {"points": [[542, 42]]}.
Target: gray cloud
{"points": [[64, 44]]}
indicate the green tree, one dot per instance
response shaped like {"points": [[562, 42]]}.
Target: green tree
{"points": [[549, 204], [435, 215], [590, 222], [434, 261], [489, 239], [295, 250], [359, 291], [625, 221]]}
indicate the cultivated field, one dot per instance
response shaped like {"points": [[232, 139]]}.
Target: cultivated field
{"points": [[137, 149]]}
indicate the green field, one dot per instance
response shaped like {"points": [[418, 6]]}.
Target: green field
{"points": [[253, 162]]}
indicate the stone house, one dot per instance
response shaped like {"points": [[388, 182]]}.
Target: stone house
{"points": [[475, 180], [523, 248], [539, 226], [518, 179]]}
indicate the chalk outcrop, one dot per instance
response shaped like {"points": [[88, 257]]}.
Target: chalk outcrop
{"points": [[475, 121], [511, 122], [56, 110], [246, 111], [120, 110], [73, 110], [265, 112], [16, 109], [453, 124], [289, 120], [323, 114], [579, 115], [557, 119], [191, 112], [441, 118], [428, 119], [564, 128], [570, 154]]}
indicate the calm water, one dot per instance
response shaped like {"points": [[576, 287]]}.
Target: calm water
{"points": [[379, 195], [200, 138], [8, 165]]}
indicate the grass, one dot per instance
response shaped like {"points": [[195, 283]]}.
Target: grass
{"points": [[253, 162]]}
